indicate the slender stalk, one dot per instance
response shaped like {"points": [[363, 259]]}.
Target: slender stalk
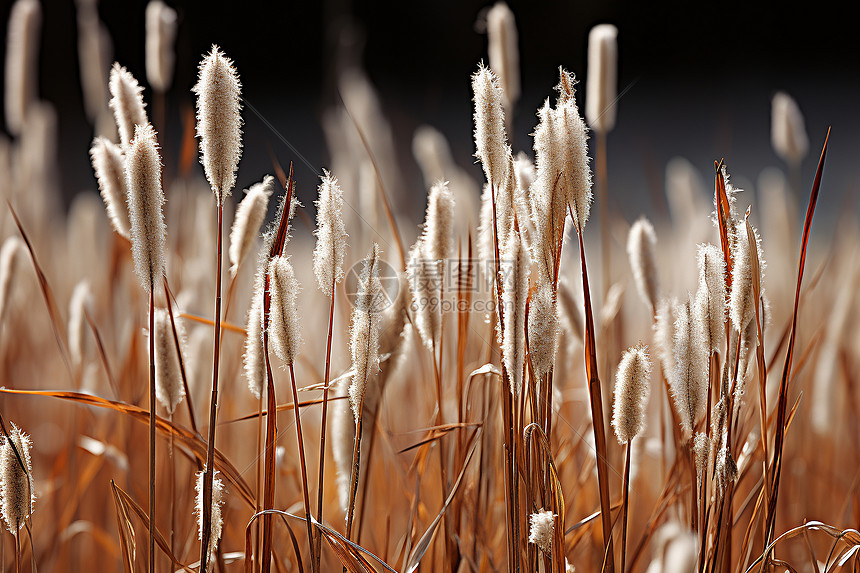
{"points": [[625, 502], [603, 199], [259, 481], [318, 542], [151, 429], [213, 408], [303, 466], [356, 464], [188, 399], [17, 552]]}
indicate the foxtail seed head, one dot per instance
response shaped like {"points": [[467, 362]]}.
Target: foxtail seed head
{"points": [[601, 88], [632, 384], [126, 103]]}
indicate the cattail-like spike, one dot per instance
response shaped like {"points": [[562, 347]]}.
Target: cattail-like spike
{"points": [[601, 87], [145, 201], [253, 359], [788, 130], [742, 303], [78, 305], [219, 124], [331, 234], [514, 294], [541, 526], [702, 451], [216, 522], [108, 163], [709, 308], [664, 334], [161, 25], [250, 215], [504, 53], [543, 328], [168, 377], [284, 324], [126, 103], [22, 62], [364, 331], [16, 482], [10, 256], [94, 57], [438, 223], [491, 140], [641, 243], [687, 388], [632, 383]]}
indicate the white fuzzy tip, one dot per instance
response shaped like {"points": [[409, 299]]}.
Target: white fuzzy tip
{"points": [[742, 303], [787, 129], [632, 383], [641, 245], [689, 380], [126, 103], [161, 25], [543, 328], [168, 375], [219, 124], [216, 522], [490, 137], [145, 200], [253, 359], [709, 310], [331, 234], [601, 87], [439, 223], [22, 62], [250, 215], [284, 324], [515, 268], [16, 482], [504, 52], [109, 164], [364, 331], [541, 526]]}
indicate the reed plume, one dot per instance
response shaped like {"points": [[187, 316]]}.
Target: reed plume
{"points": [[215, 522], [16, 480], [109, 164], [250, 215], [542, 524], [641, 244], [632, 383], [168, 378], [22, 62], [145, 199], [514, 293], [161, 25], [127, 104], [331, 234], [490, 137], [283, 320], [601, 87]]}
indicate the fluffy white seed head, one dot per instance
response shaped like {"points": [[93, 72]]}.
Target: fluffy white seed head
{"points": [[10, 259], [543, 328], [126, 103], [16, 482], [425, 280], [439, 223], [145, 200], [504, 52], [284, 324], [250, 215], [787, 129], [741, 300], [109, 164], [702, 451], [161, 25], [331, 234], [168, 377], [253, 359], [632, 383], [342, 439], [664, 334], [94, 57], [601, 88], [688, 384], [541, 526], [515, 268], [364, 331], [22, 62], [219, 124], [216, 522], [709, 309], [79, 304], [490, 137], [641, 245]]}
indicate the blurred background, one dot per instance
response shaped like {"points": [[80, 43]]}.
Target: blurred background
{"points": [[696, 83]]}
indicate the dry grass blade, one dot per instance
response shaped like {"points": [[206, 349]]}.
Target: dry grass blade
{"points": [[125, 529], [437, 432], [849, 536], [723, 210], [557, 494], [281, 408], [424, 543], [224, 325], [48, 295], [125, 501], [599, 427], [782, 400], [194, 444]]}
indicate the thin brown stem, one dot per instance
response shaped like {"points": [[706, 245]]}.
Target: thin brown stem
{"points": [[625, 502], [301, 443], [213, 409], [318, 542], [151, 428]]}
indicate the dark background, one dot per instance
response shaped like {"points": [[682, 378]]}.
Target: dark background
{"points": [[700, 77]]}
